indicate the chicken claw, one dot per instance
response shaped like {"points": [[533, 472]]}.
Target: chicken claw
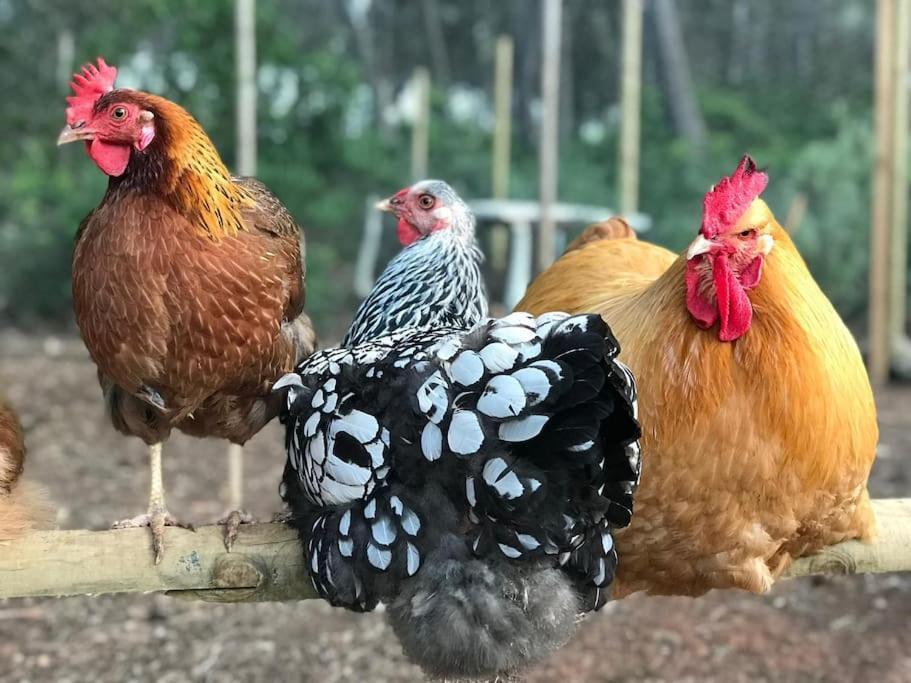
{"points": [[232, 522], [157, 518], [282, 517]]}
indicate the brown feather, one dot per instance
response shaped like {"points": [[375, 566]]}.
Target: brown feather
{"points": [[189, 283]]}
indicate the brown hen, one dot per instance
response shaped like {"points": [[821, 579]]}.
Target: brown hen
{"points": [[188, 284]]}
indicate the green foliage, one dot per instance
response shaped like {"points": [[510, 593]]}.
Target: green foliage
{"points": [[834, 236], [324, 146]]}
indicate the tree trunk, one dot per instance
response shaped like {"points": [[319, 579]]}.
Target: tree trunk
{"points": [[362, 28], [439, 53], [528, 60], [681, 97], [737, 37]]}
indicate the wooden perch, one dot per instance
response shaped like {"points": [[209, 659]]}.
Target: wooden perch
{"points": [[267, 563]]}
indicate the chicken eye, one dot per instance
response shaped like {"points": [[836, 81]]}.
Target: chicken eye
{"points": [[119, 113], [746, 233], [425, 201]]}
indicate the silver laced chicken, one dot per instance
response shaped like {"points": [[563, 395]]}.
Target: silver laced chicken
{"points": [[469, 472]]}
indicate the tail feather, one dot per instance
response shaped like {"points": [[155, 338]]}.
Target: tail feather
{"points": [[612, 229], [24, 506], [24, 509], [482, 618], [512, 451], [361, 553]]}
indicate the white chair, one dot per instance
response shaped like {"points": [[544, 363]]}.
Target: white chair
{"points": [[519, 215]]}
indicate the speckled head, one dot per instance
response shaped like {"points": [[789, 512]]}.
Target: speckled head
{"points": [[427, 207]]}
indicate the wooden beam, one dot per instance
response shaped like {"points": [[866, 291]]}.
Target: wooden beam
{"points": [[889, 552], [548, 154], [267, 561], [630, 105], [881, 215], [245, 63], [266, 564]]}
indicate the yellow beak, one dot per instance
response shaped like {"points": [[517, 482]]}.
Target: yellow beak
{"points": [[384, 205], [700, 245], [70, 134]]}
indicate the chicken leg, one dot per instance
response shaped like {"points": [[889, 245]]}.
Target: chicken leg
{"points": [[158, 517], [236, 514]]}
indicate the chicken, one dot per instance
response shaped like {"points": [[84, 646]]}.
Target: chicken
{"points": [[612, 228], [23, 506], [758, 417], [188, 284], [470, 475], [401, 296]]}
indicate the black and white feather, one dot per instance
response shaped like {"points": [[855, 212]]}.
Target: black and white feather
{"points": [[433, 282], [518, 437]]}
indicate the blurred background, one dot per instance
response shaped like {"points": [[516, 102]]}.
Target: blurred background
{"points": [[790, 81], [354, 98]]}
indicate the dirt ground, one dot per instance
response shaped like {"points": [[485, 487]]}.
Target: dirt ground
{"points": [[845, 629]]}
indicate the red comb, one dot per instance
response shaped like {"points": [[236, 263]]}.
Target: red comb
{"points": [[727, 201], [91, 84]]}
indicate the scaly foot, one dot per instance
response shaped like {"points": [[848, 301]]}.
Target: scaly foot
{"points": [[157, 518], [282, 517], [232, 522]]}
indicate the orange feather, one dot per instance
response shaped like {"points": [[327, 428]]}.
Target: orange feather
{"points": [[754, 452], [23, 505]]}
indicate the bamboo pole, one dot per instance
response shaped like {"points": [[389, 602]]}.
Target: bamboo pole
{"points": [[881, 215], [66, 54], [502, 130], [245, 61], [630, 105], [267, 561], [502, 139], [548, 155], [899, 199], [266, 564], [420, 131]]}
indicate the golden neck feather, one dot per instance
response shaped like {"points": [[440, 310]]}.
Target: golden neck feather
{"points": [[194, 177]]}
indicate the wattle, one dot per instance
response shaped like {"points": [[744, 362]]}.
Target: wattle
{"points": [[700, 307], [111, 159], [732, 307], [407, 233]]}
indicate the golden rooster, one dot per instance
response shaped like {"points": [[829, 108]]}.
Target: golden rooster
{"points": [[759, 426], [188, 284]]}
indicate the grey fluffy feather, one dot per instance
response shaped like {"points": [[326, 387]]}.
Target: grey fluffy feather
{"points": [[481, 618]]}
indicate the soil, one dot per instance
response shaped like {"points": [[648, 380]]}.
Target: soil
{"points": [[814, 629]]}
